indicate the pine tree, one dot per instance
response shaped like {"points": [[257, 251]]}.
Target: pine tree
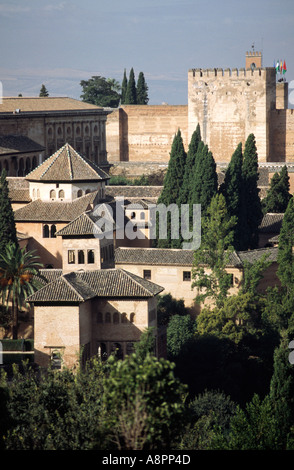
{"points": [[278, 196], [251, 204], [124, 86], [7, 223], [43, 91], [285, 251], [232, 190], [131, 94], [142, 90]]}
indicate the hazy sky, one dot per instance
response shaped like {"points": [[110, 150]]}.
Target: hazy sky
{"points": [[60, 43]]}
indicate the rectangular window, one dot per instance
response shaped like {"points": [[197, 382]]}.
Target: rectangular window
{"points": [[71, 257], [186, 275], [147, 274]]}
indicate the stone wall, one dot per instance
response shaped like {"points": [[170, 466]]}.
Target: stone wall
{"points": [[282, 135], [144, 133]]}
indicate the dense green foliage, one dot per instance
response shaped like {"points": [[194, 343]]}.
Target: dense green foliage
{"points": [[7, 222], [132, 404], [278, 196], [211, 259], [251, 207], [101, 91]]}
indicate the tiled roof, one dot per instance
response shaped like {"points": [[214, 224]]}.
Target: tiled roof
{"points": [[133, 191], [271, 223], [12, 144], [80, 286], [162, 256], [39, 104], [19, 195], [254, 255], [84, 224], [42, 211], [66, 164]]}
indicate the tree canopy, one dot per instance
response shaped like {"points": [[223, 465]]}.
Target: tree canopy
{"points": [[101, 91]]}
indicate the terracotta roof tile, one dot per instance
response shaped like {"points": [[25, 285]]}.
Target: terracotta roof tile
{"points": [[271, 223], [39, 104], [56, 211], [81, 286], [13, 144], [66, 164]]}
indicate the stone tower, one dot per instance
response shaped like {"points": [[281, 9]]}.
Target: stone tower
{"points": [[230, 104], [253, 60]]}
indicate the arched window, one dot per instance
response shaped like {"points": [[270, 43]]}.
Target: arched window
{"points": [[124, 317], [34, 163], [91, 257], [132, 317], [28, 165], [52, 194], [142, 215], [102, 352], [81, 257], [133, 215], [46, 231], [61, 194], [53, 231], [117, 349], [79, 193], [34, 193], [71, 257], [20, 167], [115, 317], [107, 317], [99, 317]]}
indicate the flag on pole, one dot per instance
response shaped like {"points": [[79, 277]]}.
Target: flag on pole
{"points": [[284, 67], [277, 66], [281, 67]]}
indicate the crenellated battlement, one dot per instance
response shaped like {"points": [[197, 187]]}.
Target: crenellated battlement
{"points": [[234, 73]]}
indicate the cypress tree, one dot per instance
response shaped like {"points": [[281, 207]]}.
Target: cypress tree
{"points": [[187, 186], [131, 93], [7, 223], [172, 187], [142, 90], [285, 250], [278, 196], [174, 176], [251, 204], [232, 191], [205, 184], [124, 86], [209, 179]]}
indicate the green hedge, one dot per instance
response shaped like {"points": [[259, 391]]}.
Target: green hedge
{"points": [[17, 358], [17, 344]]}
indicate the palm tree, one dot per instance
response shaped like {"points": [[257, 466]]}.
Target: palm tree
{"points": [[19, 272]]}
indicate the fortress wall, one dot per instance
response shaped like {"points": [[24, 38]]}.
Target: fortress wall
{"points": [[145, 132], [229, 105], [282, 135]]}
